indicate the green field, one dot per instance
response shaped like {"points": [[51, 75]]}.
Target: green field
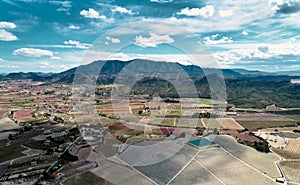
{"points": [[255, 125], [11, 152], [15, 149]]}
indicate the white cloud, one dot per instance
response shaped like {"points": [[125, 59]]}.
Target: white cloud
{"points": [[7, 25], [292, 40], [77, 44], [10, 66], [153, 40], [64, 6], [121, 10], [207, 11], [202, 60], [161, 1], [225, 13], [244, 33], [212, 40], [32, 52], [55, 58], [74, 27], [7, 36], [112, 40], [258, 52], [91, 13], [1, 60], [44, 65]]}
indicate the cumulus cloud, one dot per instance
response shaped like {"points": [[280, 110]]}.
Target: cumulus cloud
{"points": [[7, 25], [244, 33], [77, 44], [207, 11], [91, 13], [153, 40], [32, 52], [122, 10], [263, 52], [112, 40], [225, 13], [1, 60], [5, 35], [216, 39], [74, 27]]}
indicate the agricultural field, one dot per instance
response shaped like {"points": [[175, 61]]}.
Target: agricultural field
{"points": [[262, 124], [228, 168], [291, 151], [255, 121], [15, 149], [264, 162], [8, 124], [291, 170], [229, 124]]}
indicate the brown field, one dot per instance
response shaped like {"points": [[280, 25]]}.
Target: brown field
{"points": [[87, 178], [229, 124], [281, 129], [262, 124], [293, 146], [291, 170], [211, 123], [261, 116], [291, 151], [7, 124]]}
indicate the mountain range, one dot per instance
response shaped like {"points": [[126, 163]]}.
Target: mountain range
{"points": [[245, 88]]}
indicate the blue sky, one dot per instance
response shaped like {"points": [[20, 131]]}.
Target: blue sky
{"points": [[53, 35]]}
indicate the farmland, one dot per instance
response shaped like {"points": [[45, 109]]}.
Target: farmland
{"points": [[291, 151], [257, 121], [291, 169]]}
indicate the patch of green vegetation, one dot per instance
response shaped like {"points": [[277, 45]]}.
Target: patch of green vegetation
{"points": [[133, 132], [55, 142], [15, 149], [261, 146], [256, 125], [295, 117], [41, 119], [173, 113], [68, 157], [168, 122], [59, 129], [11, 152], [3, 142], [210, 101], [25, 168]]}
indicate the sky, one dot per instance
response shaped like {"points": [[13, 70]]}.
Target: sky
{"points": [[53, 35]]}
